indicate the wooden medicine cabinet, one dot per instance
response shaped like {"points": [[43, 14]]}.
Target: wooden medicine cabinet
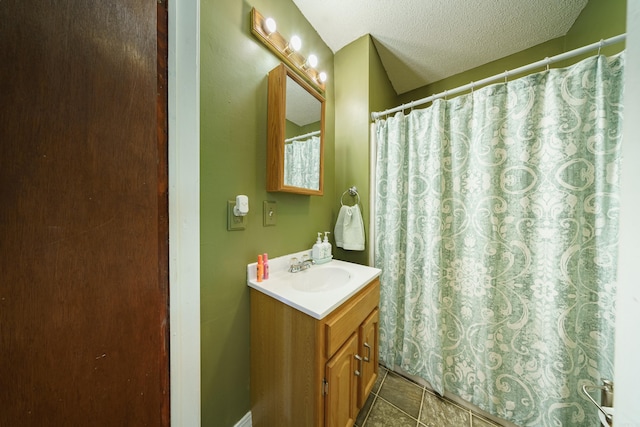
{"points": [[295, 134]]}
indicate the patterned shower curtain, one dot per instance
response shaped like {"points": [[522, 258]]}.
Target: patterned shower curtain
{"points": [[496, 231], [302, 163]]}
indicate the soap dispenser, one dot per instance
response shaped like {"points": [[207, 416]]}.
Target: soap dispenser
{"points": [[317, 251], [326, 247]]}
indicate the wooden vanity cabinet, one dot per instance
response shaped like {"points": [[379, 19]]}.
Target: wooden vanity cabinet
{"points": [[310, 372]]}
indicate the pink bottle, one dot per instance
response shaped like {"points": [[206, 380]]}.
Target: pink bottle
{"points": [[265, 266]]}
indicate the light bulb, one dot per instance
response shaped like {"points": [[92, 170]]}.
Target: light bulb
{"points": [[312, 61], [295, 43], [270, 26], [322, 76]]}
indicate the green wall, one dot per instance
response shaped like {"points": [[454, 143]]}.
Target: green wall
{"points": [[600, 19], [381, 92], [351, 161], [362, 86], [233, 115]]}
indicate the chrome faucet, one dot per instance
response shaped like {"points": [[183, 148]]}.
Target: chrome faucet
{"points": [[304, 264]]}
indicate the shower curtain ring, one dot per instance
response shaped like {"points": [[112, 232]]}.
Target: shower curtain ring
{"points": [[506, 76], [472, 85], [600, 46], [548, 62]]}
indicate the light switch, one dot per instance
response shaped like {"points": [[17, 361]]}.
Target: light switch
{"points": [[269, 213]]}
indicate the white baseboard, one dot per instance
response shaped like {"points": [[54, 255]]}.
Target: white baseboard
{"points": [[245, 421]]}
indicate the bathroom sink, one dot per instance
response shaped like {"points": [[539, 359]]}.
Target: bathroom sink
{"points": [[316, 291], [320, 279]]}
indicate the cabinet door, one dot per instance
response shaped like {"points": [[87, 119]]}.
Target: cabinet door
{"points": [[340, 371], [368, 345]]}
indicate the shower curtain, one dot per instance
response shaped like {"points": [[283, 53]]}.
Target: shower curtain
{"points": [[496, 220], [302, 163]]}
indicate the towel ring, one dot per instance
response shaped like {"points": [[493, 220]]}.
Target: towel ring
{"points": [[353, 191]]}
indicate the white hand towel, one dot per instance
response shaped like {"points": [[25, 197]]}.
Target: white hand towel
{"points": [[349, 229]]}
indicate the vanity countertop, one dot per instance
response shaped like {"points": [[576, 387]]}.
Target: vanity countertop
{"points": [[315, 304]]}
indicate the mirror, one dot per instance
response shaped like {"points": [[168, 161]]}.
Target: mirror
{"points": [[295, 137]]}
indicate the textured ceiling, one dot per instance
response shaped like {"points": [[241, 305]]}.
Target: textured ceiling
{"points": [[423, 41]]}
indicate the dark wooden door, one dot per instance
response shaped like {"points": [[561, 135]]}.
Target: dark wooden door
{"points": [[83, 213]]}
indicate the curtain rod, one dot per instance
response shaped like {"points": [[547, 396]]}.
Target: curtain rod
{"points": [[306, 135], [544, 62]]}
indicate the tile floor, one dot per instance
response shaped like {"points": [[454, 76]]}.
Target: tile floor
{"points": [[398, 402]]}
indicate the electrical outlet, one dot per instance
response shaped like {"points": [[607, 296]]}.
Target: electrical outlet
{"points": [[234, 223], [269, 213]]}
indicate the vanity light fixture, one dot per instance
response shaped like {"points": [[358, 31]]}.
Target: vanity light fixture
{"points": [[322, 77], [269, 26], [312, 61], [294, 45], [264, 29]]}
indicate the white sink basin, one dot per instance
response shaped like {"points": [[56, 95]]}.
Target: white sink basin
{"points": [[316, 291], [319, 279]]}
